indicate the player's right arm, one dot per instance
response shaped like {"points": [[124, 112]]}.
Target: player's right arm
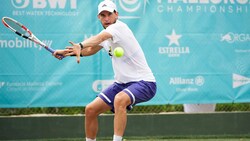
{"points": [[89, 47], [94, 41], [84, 52], [90, 50]]}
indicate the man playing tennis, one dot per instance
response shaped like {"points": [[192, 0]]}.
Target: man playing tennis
{"points": [[134, 80]]}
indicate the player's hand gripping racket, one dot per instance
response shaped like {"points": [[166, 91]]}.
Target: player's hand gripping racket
{"points": [[24, 32]]}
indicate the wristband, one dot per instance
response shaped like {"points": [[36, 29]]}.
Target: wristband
{"points": [[81, 45], [75, 55]]}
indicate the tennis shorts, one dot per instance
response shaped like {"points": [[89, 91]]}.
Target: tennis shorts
{"points": [[138, 92]]}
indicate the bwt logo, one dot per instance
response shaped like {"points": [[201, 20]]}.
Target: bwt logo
{"points": [[40, 4], [133, 9]]}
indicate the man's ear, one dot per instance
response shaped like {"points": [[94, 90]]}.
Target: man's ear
{"points": [[117, 14]]}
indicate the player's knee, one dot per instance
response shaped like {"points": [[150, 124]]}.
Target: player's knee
{"points": [[121, 101], [90, 111]]}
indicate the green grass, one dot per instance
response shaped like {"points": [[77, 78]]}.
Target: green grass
{"points": [[245, 137], [150, 139]]}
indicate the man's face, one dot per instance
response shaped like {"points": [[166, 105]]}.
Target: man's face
{"points": [[107, 18]]}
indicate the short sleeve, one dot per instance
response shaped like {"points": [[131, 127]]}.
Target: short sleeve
{"points": [[114, 31]]}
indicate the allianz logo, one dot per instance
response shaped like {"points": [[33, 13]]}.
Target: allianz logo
{"points": [[240, 80], [198, 81], [40, 4], [235, 37]]}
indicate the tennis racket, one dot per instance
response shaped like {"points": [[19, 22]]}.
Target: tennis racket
{"points": [[24, 32]]}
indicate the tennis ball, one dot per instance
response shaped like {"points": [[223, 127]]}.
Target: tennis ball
{"points": [[118, 52]]}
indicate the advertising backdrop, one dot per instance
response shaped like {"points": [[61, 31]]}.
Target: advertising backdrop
{"points": [[198, 50]]}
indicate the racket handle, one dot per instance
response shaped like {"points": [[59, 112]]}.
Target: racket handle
{"points": [[52, 51]]}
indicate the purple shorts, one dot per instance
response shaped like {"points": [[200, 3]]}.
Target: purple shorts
{"points": [[138, 92]]}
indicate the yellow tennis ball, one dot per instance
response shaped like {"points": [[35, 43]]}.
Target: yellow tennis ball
{"points": [[118, 52]]}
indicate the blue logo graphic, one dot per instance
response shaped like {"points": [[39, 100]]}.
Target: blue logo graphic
{"points": [[131, 9], [20, 3]]}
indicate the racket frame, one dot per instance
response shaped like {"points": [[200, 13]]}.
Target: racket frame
{"points": [[31, 36]]}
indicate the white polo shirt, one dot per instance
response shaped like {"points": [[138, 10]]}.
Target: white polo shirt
{"points": [[132, 66]]}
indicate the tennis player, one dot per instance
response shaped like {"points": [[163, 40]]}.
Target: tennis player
{"points": [[134, 80]]}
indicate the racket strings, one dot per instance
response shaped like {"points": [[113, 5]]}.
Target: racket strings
{"points": [[17, 28]]}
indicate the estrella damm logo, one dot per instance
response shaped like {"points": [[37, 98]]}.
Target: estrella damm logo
{"points": [[174, 49]]}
